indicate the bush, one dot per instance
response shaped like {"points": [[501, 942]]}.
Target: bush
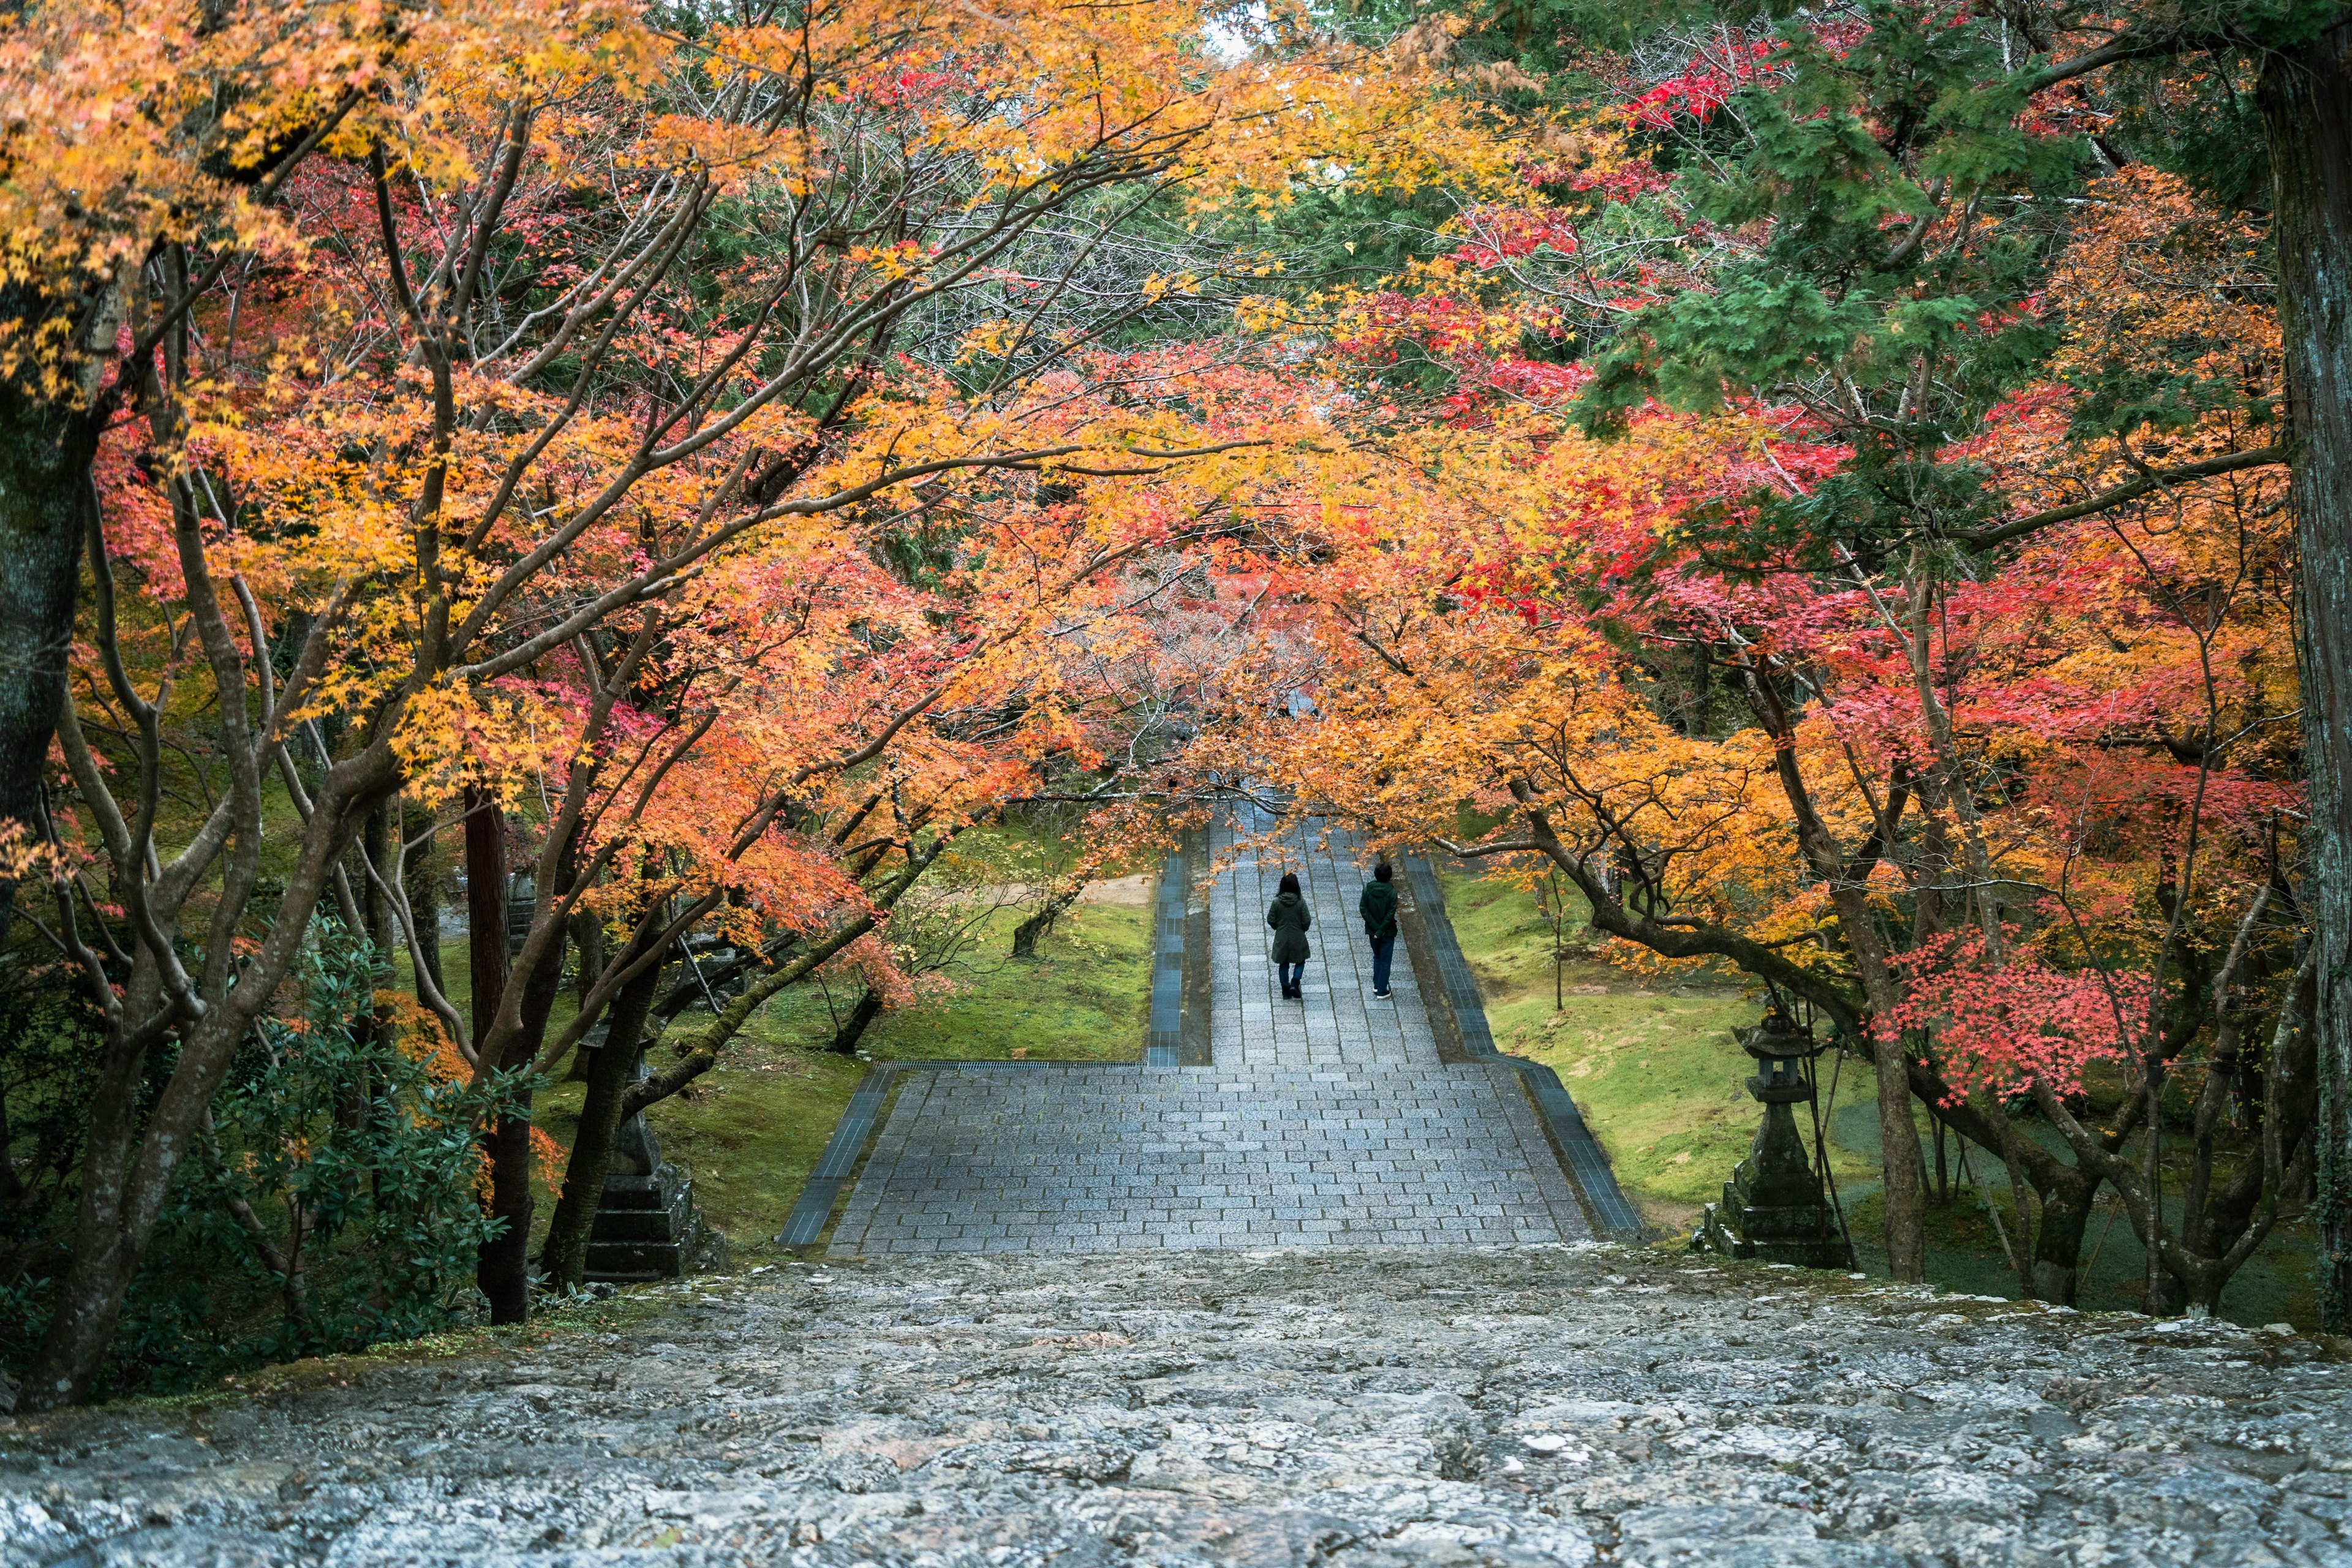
{"points": [[334, 1199]]}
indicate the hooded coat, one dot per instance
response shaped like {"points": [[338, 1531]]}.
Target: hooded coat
{"points": [[1289, 917]]}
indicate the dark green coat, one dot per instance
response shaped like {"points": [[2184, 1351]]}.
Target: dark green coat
{"points": [[1377, 906], [1289, 917]]}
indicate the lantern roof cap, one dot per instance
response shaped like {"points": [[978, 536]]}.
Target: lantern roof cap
{"points": [[1777, 1036]]}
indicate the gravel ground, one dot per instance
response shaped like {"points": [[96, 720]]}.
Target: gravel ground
{"points": [[1507, 1407]]}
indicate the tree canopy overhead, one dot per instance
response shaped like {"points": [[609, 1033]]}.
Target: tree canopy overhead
{"points": [[1840, 484]]}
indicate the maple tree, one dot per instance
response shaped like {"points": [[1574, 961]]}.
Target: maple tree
{"points": [[1777, 678], [435, 373]]}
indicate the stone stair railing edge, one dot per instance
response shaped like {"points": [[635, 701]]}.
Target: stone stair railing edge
{"points": [[1614, 1214]]}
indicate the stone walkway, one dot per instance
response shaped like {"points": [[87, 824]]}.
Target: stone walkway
{"points": [[1515, 1407], [1326, 1122], [1094, 1159], [1339, 1021]]}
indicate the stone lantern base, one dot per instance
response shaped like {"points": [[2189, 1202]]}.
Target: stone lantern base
{"points": [[646, 1227], [1773, 1207]]}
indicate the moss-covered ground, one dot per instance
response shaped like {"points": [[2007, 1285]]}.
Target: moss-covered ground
{"points": [[1652, 1062]]}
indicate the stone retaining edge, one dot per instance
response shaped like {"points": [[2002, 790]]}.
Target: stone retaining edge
{"points": [[1179, 1030], [1194, 1050], [1165, 1041], [838, 1164], [1465, 1027]]}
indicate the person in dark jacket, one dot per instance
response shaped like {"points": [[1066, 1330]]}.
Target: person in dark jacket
{"points": [[1379, 907], [1290, 916]]}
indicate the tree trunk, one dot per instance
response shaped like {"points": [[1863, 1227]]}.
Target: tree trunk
{"points": [[1904, 1170], [89, 1301], [588, 941], [486, 907], [564, 1262], [852, 1029], [45, 515], [500, 1269], [503, 1268], [425, 902], [382, 839], [115, 1218], [12, 1189], [2053, 1273], [2306, 96], [1026, 936]]}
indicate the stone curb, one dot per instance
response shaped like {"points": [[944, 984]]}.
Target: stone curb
{"points": [[1180, 962], [839, 1161], [1456, 995]]}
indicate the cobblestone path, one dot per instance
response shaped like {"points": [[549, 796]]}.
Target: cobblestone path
{"points": [[1322, 1122], [1537, 1407]]}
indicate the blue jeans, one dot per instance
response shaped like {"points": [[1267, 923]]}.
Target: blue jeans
{"points": [[1383, 950], [1291, 973]]}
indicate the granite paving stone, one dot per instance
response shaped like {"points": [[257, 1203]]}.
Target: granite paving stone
{"points": [[1194, 1406], [1327, 1117]]}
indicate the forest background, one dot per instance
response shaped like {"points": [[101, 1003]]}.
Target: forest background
{"points": [[1855, 492]]}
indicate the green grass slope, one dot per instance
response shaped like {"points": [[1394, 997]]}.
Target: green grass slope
{"points": [[1651, 1065]]}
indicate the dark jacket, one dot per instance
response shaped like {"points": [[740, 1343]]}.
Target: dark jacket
{"points": [[1289, 917], [1377, 906]]}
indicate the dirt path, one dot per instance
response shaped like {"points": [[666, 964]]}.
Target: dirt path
{"points": [[1505, 1408]]}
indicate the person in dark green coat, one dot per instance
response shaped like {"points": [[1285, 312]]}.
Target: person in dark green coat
{"points": [[1290, 916], [1379, 907]]}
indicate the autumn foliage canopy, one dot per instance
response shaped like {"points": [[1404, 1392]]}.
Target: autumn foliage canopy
{"points": [[1800, 480]]}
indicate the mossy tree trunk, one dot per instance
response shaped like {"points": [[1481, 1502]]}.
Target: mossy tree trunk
{"points": [[2306, 95], [610, 1068], [853, 1028], [45, 513]]}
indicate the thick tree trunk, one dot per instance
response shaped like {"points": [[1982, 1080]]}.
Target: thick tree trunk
{"points": [[500, 1269], [486, 908], [89, 1301], [2053, 1269], [2306, 95], [503, 1268], [1906, 1218], [2053, 1272], [1904, 1170], [565, 1260], [45, 515], [853, 1028]]}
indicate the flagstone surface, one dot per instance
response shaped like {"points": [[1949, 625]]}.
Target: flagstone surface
{"points": [[1326, 1121]]}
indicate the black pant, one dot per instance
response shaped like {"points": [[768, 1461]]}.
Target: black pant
{"points": [[1383, 950]]}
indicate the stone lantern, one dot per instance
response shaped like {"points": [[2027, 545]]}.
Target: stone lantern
{"points": [[1774, 1207]]}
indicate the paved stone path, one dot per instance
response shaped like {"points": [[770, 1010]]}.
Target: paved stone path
{"points": [[1537, 1407], [1326, 1122], [1092, 1159], [1339, 1021]]}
